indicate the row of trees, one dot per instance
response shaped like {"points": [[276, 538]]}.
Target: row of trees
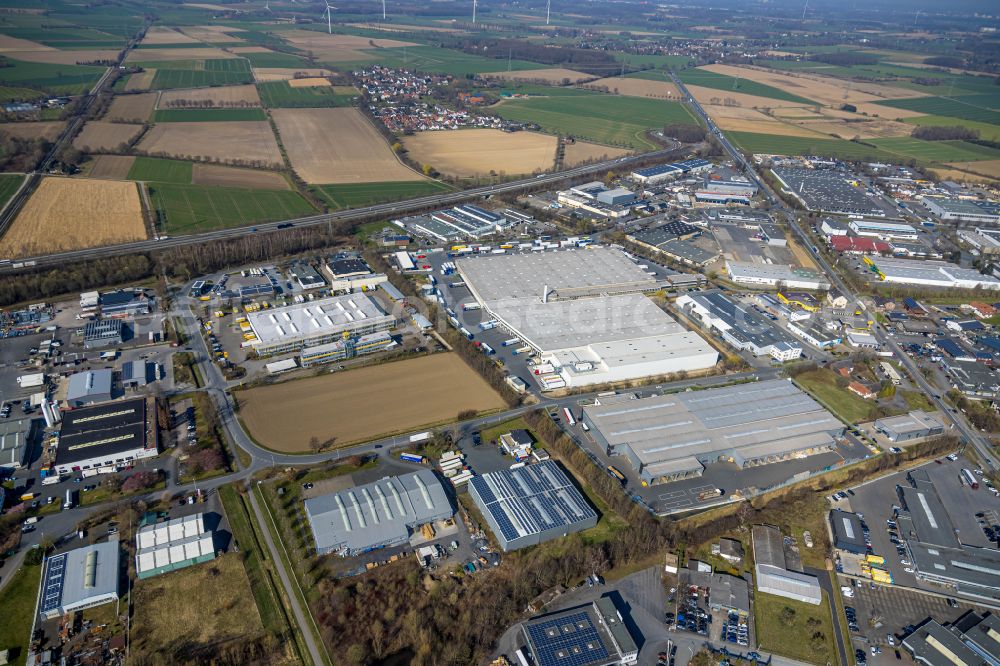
{"points": [[945, 133]]}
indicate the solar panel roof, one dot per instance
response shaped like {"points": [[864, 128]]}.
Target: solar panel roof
{"points": [[566, 640], [52, 586]]}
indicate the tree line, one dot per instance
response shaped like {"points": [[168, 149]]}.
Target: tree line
{"points": [[945, 133]]}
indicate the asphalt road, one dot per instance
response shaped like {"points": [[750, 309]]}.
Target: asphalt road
{"points": [[826, 583], [971, 435], [394, 209]]}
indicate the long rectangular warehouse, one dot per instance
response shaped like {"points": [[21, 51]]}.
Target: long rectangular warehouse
{"points": [[376, 515], [528, 505], [313, 323], [671, 437], [585, 314]]}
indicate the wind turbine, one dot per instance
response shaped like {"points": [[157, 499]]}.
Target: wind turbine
{"points": [[548, 9], [267, 5], [383, 10], [329, 19], [804, 10], [474, 3]]}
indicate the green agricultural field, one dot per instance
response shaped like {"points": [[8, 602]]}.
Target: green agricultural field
{"points": [[206, 115], [368, 194], [661, 61], [11, 94], [607, 119], [60, 79], [275, 60], [200, 73], [936, 151], [155, 169], [280, 95], [8, 187], [188, 209], [948, 106], [439, 61], [18, 603], [708, 79], [986, 131], [773, 144]]}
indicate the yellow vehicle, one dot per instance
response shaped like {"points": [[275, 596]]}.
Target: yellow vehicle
{"points": [[875, 559]]}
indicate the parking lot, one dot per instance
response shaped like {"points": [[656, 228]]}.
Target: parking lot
{"points": [[738, 244]]}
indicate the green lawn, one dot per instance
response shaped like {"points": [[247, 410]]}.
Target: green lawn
{"points": [[774, 144], [936, 151], [967, 108], [18, 601], [986, 130], [607, 119], [366, 194], [437, 60], [493, 433], [822, 384], [917, 400], [280, 95], [8, 186], [199, 73], [61, 79], [708, 79], [206, 115], [804, 632], [159, 170], [188, 209]]}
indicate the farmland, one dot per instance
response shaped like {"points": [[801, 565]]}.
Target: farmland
{"points": [[247, 142], [61, 79], [48, 130], [554, 76], [367, 194], [112, 167], [727, 82], [582, 151], [267, 74], [351, 406], [166, 55], [220, 176], [632, 87], [337, 146], [188, 209], [64, 214], [599, 118], [8, 186], [480, 152], [337, 48], [131, 108], [773, 144], [158, 170], [207, 115], [285, 95], [986, 131], [438, 61], [937, 151], [205, 73], [206, 604], [223, 96], [99, 136], [949, 106]]}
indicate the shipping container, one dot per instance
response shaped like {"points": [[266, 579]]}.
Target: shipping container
{"points": [[487, 325], [454, 464], [464, 477]]}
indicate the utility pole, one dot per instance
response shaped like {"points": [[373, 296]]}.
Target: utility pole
{"points": [[509, 52]]}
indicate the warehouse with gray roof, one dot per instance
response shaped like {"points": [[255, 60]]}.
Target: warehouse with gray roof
{"points": [[80, 578], [771, 571], [915, 425], [376, 515], [742, 328], [528, 505], [671, 437], [972, 639], [591, 635]]}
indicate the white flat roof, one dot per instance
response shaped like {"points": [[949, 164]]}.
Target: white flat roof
{"points": [[313, 318]]}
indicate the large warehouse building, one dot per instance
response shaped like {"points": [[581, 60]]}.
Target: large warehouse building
{"points": [[376, 515], [313, 323], [528, 505], [915, 425], [932, 274], [173, 545], [80, 578], [584, 312], [105, 436], [671, 437], [593, 635], [741, 327], [771, 572], [971, 640]]}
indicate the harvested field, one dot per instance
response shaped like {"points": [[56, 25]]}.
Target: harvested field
{"points": [[248, 141], [222, 96], [206, 604], [141, 81], [990, 168], [110, 167], [81, 56], [477, 152], [46, 129], [309, 82], [164, 55], [131, 108], [863, 128], [157, 35], [959, 176], [337, 146], [286, 73], [584, 151], [338, 48], [354, 406], [250, 49], [8, 43], [555, 75], [71, 214], [207, 34], [636, 87], [212, 174], [99, 136], [827, 91], [759, 123], [716, 97], [208, 6]]}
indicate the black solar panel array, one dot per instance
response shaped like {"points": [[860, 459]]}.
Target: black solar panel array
{"points": [[52, 586], [566, 640]]}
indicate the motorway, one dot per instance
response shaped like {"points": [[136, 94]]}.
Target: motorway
{"points": [[393, 209], [970, 434]]}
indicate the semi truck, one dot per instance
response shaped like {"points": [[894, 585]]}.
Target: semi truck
{"points": [[411, 457], [510, 343], [487, 325], [471, 306], [970, 479], [569, 416]]}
